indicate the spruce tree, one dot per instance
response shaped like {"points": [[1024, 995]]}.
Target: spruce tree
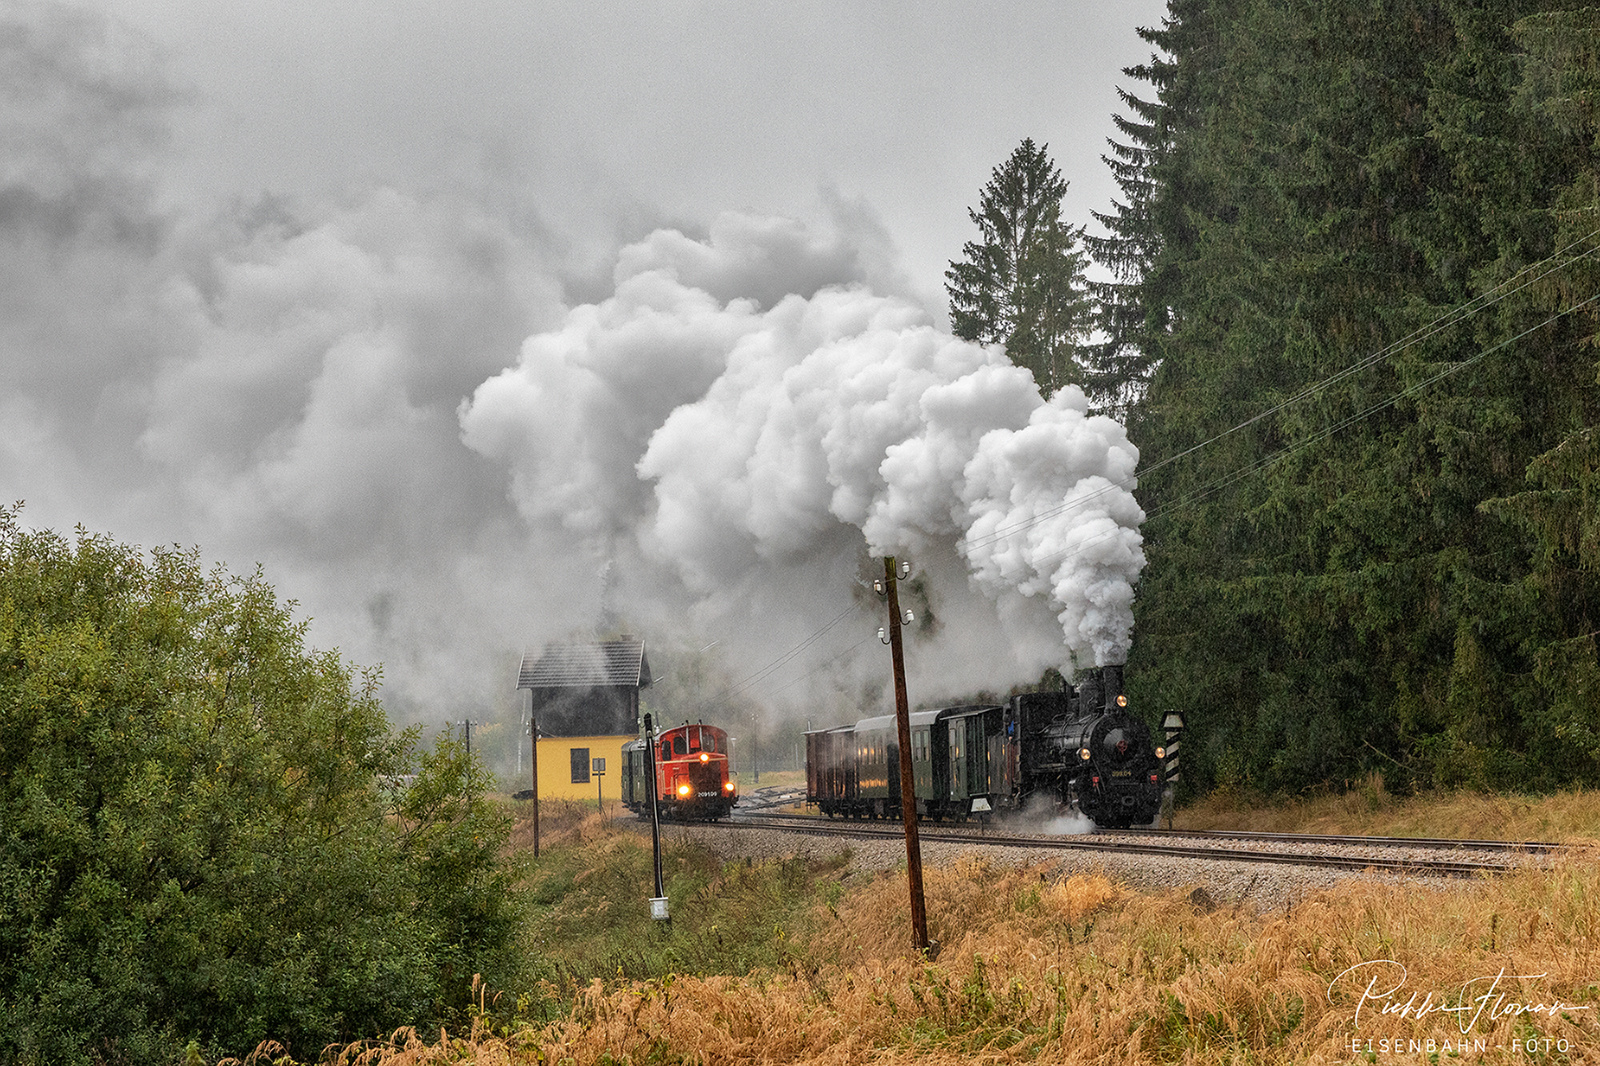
{"points": [[1145, 240], [1021, 284], [1328, 593]]}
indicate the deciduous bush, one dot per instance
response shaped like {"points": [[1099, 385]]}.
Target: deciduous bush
{"points": [[198, 837]]}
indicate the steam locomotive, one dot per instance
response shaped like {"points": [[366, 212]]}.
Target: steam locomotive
{"points": [[691, 767], [1078, 750]]}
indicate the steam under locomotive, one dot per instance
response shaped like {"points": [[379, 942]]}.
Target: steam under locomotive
{"points": [[1080, 750]]}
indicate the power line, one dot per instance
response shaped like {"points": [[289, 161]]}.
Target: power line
{"points": [[783, 659], [1210, 487], [1455, 316]]}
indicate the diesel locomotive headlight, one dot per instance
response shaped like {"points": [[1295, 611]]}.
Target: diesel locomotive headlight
{"points": [[683, 790], [1083, 753], [727, 786], [1161, 753], [704, 757]]}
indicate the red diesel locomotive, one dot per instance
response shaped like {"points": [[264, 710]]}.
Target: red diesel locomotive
{"points": [[692, 783]]}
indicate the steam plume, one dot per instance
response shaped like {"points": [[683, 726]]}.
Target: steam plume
{"points": [[746, 448]]}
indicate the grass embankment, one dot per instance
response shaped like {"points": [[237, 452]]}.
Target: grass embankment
{"points": [[804, 963], [1372, 810]]}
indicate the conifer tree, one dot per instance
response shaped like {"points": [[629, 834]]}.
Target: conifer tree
{"points": [[1144, 242], [1328, 593], [1021, 284]]}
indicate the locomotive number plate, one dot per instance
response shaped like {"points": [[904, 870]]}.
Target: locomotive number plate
{"points": [[1122, 773]]}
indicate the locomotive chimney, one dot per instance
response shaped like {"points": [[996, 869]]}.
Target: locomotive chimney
{"points": [[1091, 692], [1112, 676]]}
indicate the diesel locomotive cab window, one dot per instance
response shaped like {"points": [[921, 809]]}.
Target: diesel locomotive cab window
{"points": [[580, 766], [678, 745]]}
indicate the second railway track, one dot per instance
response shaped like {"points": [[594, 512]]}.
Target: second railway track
{"points": [[1400, 855]]}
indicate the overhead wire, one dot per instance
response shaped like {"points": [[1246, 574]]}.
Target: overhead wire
{"points": [[1557, 260], [766, 671], [1218, 483]]}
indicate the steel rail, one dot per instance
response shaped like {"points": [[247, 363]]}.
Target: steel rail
{"points": [[1440, 843], [1131, 844]]}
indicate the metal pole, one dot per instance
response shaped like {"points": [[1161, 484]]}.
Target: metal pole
{"points": [[908, 792], [655, 815], [533, 720]]}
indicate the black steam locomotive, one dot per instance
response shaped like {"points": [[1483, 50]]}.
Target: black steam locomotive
{"points": [[1079, 750]]}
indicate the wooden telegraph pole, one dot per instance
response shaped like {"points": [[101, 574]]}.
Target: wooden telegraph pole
{"points": [[908, 792]]}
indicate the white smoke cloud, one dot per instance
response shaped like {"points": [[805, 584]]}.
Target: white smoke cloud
{"points": [[323, 388], [746, 450], [273, 382]]}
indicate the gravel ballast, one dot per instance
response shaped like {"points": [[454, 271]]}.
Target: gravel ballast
{"points": [[1258, 887]]}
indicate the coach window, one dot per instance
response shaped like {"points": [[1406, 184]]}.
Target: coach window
{"points": [[580, 766]]}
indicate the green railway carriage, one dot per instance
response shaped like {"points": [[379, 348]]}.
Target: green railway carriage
{"points": [[854, 771]]}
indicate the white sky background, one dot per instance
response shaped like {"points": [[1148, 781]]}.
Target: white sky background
{"points": [[282, 381], [606, 118]]}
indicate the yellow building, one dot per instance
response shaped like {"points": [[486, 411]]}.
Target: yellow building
{"points": [[567, 768], [584, 698]]}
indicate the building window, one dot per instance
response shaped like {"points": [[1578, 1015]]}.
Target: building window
{"points": [[580, 766]]}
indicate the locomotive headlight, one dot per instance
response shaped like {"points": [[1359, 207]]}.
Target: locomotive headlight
{"points": [[704, 757], [727, 786], [1122, 701], [683, 790], [1161, 753], [1083, 753]]}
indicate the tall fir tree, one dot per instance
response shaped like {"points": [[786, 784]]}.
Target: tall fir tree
{"points": [[1021, 284], [1327, 593], [1142, 246]]}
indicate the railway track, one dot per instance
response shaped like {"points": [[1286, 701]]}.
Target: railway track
{"points": [[1396, 854]]}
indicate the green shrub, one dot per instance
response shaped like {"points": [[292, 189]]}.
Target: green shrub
{"points": [[196, 841]]}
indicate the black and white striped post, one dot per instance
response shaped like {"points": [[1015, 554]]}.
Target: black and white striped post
{"points": [[1173, 724]]}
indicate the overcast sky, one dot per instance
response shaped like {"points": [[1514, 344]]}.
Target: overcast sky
{"points": [[262, 264], [604, 116]]}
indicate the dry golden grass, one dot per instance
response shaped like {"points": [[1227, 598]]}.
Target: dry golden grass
{"points": [[1081, 970], [1371, 809]]}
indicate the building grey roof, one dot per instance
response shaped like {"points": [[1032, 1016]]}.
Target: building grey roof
{"points": [[619, 663]]}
